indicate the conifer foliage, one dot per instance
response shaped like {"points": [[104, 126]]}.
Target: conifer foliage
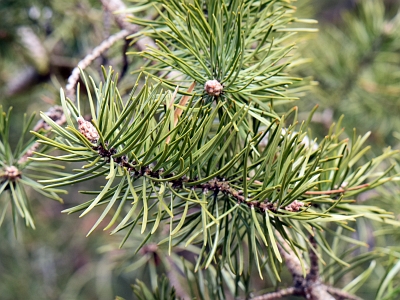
{"points": [[202, 166]]}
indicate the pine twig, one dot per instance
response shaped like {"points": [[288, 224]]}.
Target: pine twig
{"points": [[341, 295], [310, 286], [337, 191], [182, 103], [172, 274], [178, 111], [313, 274], [57, 111], [329, 192]]}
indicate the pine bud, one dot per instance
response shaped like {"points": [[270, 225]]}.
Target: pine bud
{"points": [[294, 206], [11, 173], [88, 130], [213, 88]]}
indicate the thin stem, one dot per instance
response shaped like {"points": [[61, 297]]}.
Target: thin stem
{"points": [[313, 274], [341, 190], [336, 191], [340, 294], [276, 295], [309, 286]]}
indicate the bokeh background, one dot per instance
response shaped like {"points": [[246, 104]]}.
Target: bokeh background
{"points": [[355, 58]]}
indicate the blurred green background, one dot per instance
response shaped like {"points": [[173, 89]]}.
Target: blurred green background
{"points": [[355, 58]]}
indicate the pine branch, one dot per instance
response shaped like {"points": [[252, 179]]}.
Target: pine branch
{"points": [[217, 185], [148, 146], [116, 142]]}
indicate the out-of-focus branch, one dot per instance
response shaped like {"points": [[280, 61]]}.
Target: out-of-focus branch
{"points": [[313, 274], [172, 274], [85, 62], [116, 7], [310, 286], [35, 51]]}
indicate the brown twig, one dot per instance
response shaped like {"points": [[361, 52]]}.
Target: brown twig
{"points": [[341, 295], [182, 102], [313, 274], [178, 111], [174, 281], [337, 191], [330, 192], [309, 286], [170, 105]]}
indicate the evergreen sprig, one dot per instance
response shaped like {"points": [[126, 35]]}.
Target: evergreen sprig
{"points": [[207, 165], [17, 173], [190, 173], [241, 44]]}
